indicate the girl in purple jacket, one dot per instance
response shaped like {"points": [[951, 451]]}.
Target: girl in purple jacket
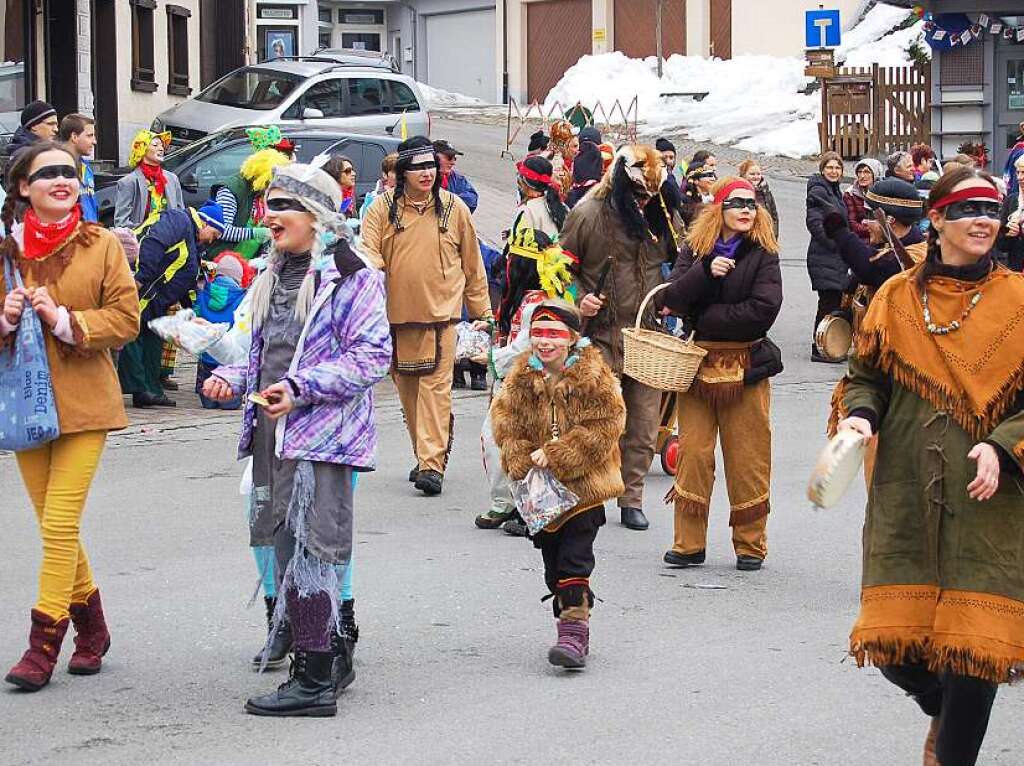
{"points": [[320, 341]]}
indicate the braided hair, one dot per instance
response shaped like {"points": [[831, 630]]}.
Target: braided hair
{"points": [[405, 150], [943, 187], [15, 205], [556, 208]]}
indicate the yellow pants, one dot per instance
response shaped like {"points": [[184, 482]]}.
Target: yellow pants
{"points": [[57, 477], [427, 404], [744, 428]]}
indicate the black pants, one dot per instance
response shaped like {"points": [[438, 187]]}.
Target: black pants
{"points": [[828, 301], [569, 553], [961, 703]]}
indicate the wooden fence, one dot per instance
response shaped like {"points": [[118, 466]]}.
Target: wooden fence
{"points": [[875, 110]]}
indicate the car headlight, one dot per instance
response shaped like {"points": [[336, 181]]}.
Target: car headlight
{"points": [[157, 126]]}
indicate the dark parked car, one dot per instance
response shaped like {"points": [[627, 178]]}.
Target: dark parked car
{"points": [[217, 157]]}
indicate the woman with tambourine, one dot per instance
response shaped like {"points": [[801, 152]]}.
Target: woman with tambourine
{"points": [[938, 373], [727, 284]]}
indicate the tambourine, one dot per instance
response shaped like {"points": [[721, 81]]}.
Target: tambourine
{"points": [[837, 466], [834, 336]]}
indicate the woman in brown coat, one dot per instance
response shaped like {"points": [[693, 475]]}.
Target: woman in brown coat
{"points": [[561, 408], [728, 286], [77, 280]]}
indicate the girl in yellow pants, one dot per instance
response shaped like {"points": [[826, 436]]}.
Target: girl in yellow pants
{"points": [[77, 281]]}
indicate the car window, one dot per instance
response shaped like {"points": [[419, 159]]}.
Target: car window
{"points": [[327, 96], [220, 165], [251, 89], [308, 148], [366, 96], [402, 97], [187, 153]]}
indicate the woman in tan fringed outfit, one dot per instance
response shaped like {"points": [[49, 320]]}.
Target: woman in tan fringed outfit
{"points": [[728, 286], [938, 374]]}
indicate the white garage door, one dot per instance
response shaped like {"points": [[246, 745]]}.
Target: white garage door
{"points": [[461, 53]]}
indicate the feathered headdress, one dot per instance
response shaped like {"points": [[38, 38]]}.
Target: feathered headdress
{"points": [[552, 261], [258, 169]]}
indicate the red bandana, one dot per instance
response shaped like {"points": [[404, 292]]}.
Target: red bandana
{"points": [[729, 188], [155, 176], [44, 239], [971, 192]]}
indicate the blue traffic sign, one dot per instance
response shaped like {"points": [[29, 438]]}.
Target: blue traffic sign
{"points": [[823, 29]]}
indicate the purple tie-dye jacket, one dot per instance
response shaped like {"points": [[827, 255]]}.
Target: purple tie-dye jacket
{"points": [[347, 349]]}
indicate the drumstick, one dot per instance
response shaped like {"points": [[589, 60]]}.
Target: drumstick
{"points": [[898, 250], [598, 289]]}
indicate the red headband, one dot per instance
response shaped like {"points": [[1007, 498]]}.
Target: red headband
{"points": [[973, 192], [729, 188], [533, 175]]}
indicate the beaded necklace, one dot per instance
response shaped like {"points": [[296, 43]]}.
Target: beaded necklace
{"points": [[956, 324]]}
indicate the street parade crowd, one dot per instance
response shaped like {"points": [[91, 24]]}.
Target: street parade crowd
{"points": [[319, 296]]}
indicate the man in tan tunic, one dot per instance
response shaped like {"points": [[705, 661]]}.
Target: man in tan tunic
{"points": [[424, 240]]}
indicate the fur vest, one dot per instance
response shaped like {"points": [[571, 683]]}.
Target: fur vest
{"points": [[587, 406]]}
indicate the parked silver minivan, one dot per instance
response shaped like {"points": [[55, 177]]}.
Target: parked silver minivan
{"points": [[307, 91]]}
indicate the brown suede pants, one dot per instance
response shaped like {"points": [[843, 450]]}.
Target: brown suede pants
{"points": [[643, 417], [427, 404], [744, 428]]}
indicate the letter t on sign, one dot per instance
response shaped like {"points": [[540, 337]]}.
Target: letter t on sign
{"points": [[822, 25]]}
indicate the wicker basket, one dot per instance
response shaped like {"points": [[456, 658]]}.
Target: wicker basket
{"points": [[657, 359]]}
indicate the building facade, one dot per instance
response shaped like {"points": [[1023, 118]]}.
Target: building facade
{"points": [[122, 61], [543, 38], [978, 83]]}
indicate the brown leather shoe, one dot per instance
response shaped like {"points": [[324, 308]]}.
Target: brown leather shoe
{"points": [[34, 669], [930, 756], [92, 639]]}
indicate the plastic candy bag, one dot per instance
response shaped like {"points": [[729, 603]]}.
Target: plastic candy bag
{"points": [[186, 333], [541, 498], [472, 345]]}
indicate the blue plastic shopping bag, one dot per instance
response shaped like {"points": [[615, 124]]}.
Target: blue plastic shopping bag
{"points": [[28, 413]]}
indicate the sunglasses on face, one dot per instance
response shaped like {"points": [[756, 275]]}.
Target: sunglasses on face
{"points": [[973, 208], [739, 203], [349, 169], [53, 172], [285, 205]]}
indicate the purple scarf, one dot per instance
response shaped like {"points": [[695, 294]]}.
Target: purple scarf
{"points": [[726, 249]]}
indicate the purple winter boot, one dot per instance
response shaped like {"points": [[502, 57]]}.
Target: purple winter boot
{"points": [[573, 645]]}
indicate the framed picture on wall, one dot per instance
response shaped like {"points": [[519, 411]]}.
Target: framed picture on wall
{"points": [[278, 41]]}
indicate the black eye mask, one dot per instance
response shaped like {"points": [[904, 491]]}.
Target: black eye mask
{"points": [[738, 203], [422, 166], [973, 208], [52, 172], [285, 205]]}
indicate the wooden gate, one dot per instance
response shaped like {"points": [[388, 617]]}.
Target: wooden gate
{"points": [[875, 111], [721, 29]]}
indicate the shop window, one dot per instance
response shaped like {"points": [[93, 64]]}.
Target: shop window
{"points": [[361, 41], [143, 71], [177, 50], [325, 39], [963, 65], [361, 16]]}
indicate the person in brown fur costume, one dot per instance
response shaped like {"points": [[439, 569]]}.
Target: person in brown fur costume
{"points": [[624, 220], [561, 408]]}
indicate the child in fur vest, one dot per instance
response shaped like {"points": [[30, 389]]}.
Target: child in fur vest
{"points": [[561, 408]]}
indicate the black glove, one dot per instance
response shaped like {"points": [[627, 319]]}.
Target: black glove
{"points": [[834, 222]]}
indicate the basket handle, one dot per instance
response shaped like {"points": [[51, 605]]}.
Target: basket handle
{"points": [[646, 300]]}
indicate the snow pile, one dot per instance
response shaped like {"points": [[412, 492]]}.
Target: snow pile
{"points": [[438, 98], [756, 103]]}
